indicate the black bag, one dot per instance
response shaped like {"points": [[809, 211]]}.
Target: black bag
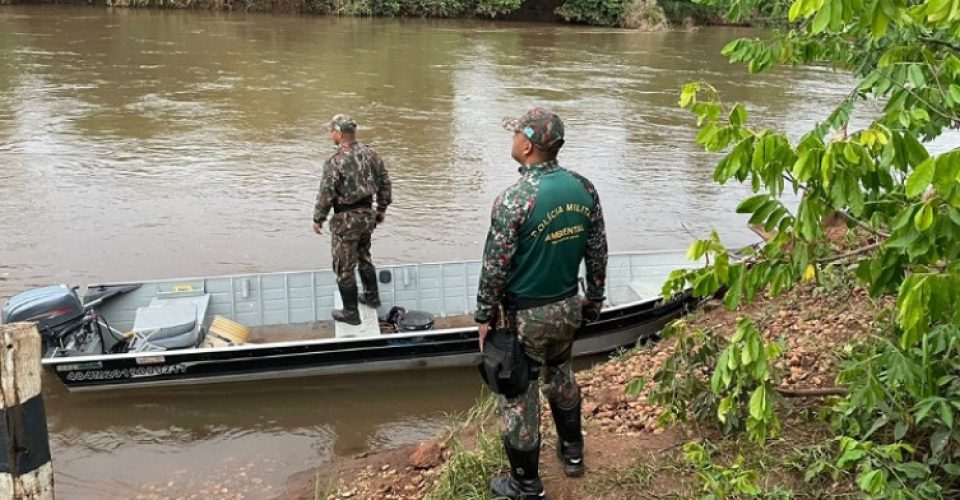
{"points": [[503, 364]]}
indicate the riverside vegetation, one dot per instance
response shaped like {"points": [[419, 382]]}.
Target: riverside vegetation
{"points": [[829, 363], [648, 14]]}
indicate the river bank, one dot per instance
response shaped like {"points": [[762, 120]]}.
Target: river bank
{"points": [[631, 451]]}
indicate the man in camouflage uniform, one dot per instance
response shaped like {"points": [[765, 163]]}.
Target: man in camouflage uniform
{"points": [[351, 177], [541, 228]]}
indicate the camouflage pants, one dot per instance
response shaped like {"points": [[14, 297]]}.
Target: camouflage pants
{"points": [[350, 244], [546, 334]]}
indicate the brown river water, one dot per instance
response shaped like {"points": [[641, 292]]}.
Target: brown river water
{"points": [[140, 144]]}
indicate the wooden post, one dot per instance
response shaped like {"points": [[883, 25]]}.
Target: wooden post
{"points": [[25, 468]]}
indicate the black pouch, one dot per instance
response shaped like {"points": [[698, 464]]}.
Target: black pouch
{"points": [[503, 365]]}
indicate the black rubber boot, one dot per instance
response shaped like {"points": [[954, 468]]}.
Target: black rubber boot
{"points": [[523, 482], [349, 314], [570, 442], [371, 293]]}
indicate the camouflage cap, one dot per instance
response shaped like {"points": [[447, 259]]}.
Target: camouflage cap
{"points": [[342, 123], [542, 127]]}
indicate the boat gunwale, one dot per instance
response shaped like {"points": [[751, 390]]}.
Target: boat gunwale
{"points": [[386, 266], [55, 361]]}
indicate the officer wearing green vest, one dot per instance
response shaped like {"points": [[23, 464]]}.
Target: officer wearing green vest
{"points": [[541, 229]]}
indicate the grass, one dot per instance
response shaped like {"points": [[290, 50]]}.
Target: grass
{"points": [[325, 493], [469, 467], [466, 473], [635, 478]]}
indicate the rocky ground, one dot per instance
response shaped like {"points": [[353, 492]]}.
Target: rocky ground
{"points": [[623, 435]]}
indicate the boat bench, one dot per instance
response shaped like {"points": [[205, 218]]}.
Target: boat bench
{"points": [[172, 321], [369, 326]]}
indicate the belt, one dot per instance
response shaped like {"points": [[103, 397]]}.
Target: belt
{"points": [[346, 207], [529, 303]]}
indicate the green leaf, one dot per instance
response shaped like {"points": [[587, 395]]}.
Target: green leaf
{"points": [[850, 154], [880, 24], [751, 204], [915, 74], [758, 403], [804, 167], [746, 355], [872, 481], [924, 218], [922, 409], [939, 440], [814, 471], [724, 408], [955, 93], [900, 430], [773, 350], [689, 94], [795, 10], [738, 115], [697, 249], [636, 386], [850, 456], [716, 380], [952, 469], [822, 19], [764, 212], [916, 153], [946, 415], [920, 178], [836, 15], [913, 470], [732, 298]]}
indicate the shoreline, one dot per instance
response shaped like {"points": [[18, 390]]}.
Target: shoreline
{"points": [[632, 452]]}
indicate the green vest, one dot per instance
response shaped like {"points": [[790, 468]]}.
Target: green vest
{"points": [[552, 240]]}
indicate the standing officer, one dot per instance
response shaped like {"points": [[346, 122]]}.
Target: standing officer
{"points": [[351, 177], [541, 228]]}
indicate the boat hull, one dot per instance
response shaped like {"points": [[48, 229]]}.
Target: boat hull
{"points": [[621, 327]]}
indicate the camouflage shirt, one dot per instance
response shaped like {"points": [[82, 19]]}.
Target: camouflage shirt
{"points": [[512, 234], [354, 172]]}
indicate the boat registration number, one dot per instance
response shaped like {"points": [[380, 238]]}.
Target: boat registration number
{"points": [[123, 373]]}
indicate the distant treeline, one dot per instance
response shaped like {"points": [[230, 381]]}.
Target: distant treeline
{"points": [[651, 14]]}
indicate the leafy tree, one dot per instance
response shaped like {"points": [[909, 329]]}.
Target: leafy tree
{"points": [[900, 202]]}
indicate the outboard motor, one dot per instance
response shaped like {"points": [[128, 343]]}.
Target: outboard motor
{"points": [[57, 310]]}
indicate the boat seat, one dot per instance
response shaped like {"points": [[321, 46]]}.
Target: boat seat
{"points": [[169, 323], [369, 323]]}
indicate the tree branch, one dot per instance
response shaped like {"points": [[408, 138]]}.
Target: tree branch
{"points": [[864, 225], [931, 107], [812, 393], [852, 253], [941, 43], [843, 213]]}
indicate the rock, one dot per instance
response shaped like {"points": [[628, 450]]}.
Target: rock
{"points": [[610, 397], [426, 456]]}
